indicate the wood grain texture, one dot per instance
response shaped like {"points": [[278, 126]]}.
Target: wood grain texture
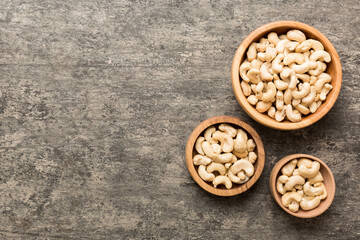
{"points": [[98, 99], [329, 183], [259, 150], [333, 69]]}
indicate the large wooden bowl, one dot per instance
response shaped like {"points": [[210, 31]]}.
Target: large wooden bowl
{"points": [[329, 183], [221, 190], [333, 68]]}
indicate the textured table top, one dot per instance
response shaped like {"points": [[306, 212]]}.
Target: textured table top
{"points": [[98, 99]]}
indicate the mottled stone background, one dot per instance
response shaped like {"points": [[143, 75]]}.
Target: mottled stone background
{"points": [[98, 99]]}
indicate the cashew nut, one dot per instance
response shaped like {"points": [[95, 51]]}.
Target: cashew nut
{"points": [[292, 115], [201, 160], [222, 158], [304, 161], [309, 44], [246, 88], [294, 58], [292, 45], [252, 157], [198, 143], [260, 47], [208, 133], [243, 165], [227, 142], [204, 175], [222, 180], [241, 175], [293, 81], [208, 150], [314, 191], [233, 177], [324, 92], [296, 172], [304, 91], [281, 85], [321, 55], [280, 47], [273, 38], [240, 142], [322, 79], [277, 65], [286, 72], [288, 168], [293, 181], [240, 155], [295, 102], [282, 37], [307, 100], [216, 148], [262, 106], [318, 178], [244, 68], [303, 77], [256, 64], [294, 206], [252, 99], [296, 35], [288, 197], [265, 74], [228, 129], [271, 112], [250, 145], [270, 92], [259, 87], [318, 103], [280, 183], [324, 195], [287, 96], [279, 101], [313, 80], [302, 68], [236, 179], [251, 53], [253, 87], [270, 54], [321, 67], [313, 107], [302, 109], [280, 115], [261, 56], [308, 203], [309, 172], [254, 75], [218, 167]]}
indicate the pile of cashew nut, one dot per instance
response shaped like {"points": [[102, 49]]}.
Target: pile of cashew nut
{"points": [[225, 155], [302, 186], [284, 75]]}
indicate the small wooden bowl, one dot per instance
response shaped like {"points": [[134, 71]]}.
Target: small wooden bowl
{"points": [[333, 68], [329, 183], [190, 153]]}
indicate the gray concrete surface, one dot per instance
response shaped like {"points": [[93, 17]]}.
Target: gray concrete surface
{"points": [[98, 99]]}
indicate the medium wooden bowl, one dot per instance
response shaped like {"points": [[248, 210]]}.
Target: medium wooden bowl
{"points": [[329, 183], [333, 68], [190, 153]]}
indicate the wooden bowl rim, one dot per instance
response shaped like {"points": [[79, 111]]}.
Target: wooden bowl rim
{"points": [[311, 213], [190, 147], [263, 118]]}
